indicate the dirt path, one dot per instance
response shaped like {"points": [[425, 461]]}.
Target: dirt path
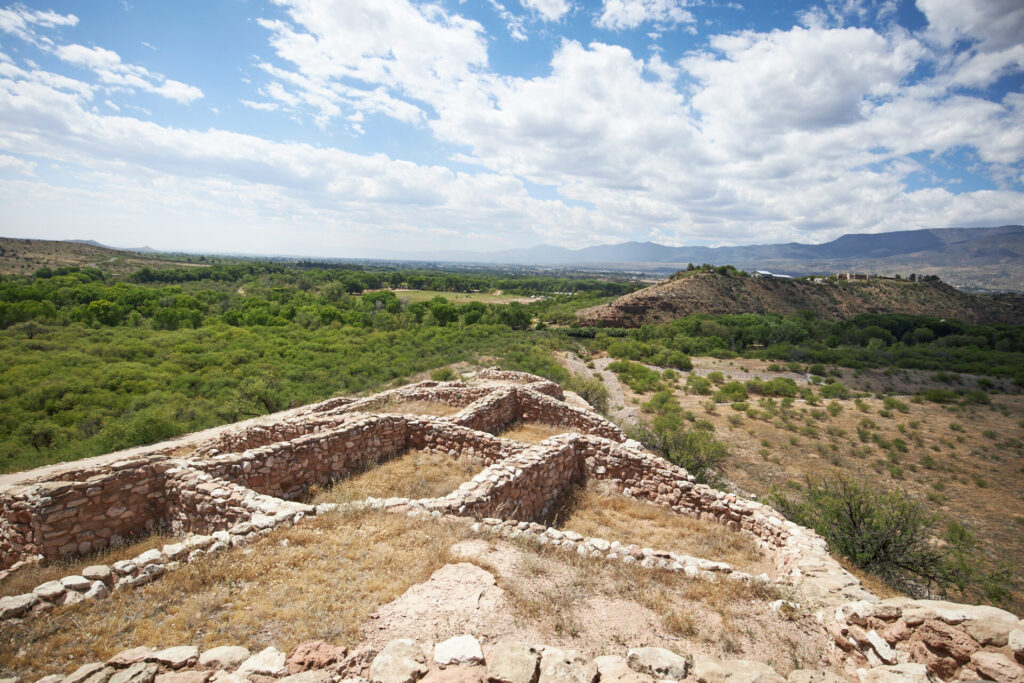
{"points": [[618, 407]]}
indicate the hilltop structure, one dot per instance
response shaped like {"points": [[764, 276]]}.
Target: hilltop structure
{"points": [[230, 487]]}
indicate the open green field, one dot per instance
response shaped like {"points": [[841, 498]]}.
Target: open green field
{"points": [[492, 297]]}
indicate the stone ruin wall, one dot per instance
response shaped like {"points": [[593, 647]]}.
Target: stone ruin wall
{"points": [[225, 498]]}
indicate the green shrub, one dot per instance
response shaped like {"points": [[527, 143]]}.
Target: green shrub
{"points": [[638, 377], [939, 395], [695, 384], [731, 392], [888, 534], [442, 375], [695, 449], [835, 390], [777, 386], [892, 403], [591, 390]]}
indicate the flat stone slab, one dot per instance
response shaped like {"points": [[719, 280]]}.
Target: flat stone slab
{"points": [[461, 650]]}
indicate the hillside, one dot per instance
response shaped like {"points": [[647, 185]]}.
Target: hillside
{"points": [[982, 258], [26, 256], [703, 292]]}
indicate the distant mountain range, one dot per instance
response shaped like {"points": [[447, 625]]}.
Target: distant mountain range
{"points": [[975, 257]]}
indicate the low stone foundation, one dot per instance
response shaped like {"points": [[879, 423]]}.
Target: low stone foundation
{"points": [[244, 482]]}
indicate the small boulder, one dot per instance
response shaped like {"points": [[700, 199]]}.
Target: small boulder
{"points": [[140, 672], [320, 676], [401, 661], [657, 662], [99, 572], [461, 650], [175, 657], [224, 657], [97, 590], [898, 673], [149, 557], [565, 666], [51, 591], [86, 671], [126, 658], [512, 662], [268, 662], [708, 669], [997, 667], [184, 677], [76, 583], [52, 678], [615, 669], [941, 636], [455, 674], [813, 676], [1016, 642], [314, 654], [13, 606]]}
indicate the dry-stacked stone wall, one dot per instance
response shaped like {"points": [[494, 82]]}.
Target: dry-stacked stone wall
{"points": [[217, 499]]}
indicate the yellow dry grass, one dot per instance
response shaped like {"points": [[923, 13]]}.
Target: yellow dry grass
{"points": [[593, 513], [27, 578], [318, 580], [416, 474], [533, 432]]}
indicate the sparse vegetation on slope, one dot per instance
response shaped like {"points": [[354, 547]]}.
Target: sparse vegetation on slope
{"points": [[716, 293]]}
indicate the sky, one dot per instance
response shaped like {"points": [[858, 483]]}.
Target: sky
{"points": [[354, 128]]}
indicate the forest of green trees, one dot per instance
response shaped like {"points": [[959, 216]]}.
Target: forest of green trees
{"points": [[90, 363]]}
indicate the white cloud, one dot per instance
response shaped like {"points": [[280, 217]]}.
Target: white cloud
{"points": [[617, 15], [995, 24], [9, 164], [107, 65], [549, 10], [408, 53], [21, 22]]}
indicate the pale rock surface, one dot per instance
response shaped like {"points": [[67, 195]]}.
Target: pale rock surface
{"points": [[16, 605], [97, 590], [50, 591], [224, 657], [267, 662], [997, 667], [708, 669], [314, 654], [565, 666], [1016, 641], [76, 583], [898, 673], [461, 650], [126, 658], [175, 657], [512, 662], [52, 678], [183, 677], [320, 676], [657, 662], [149, 557], [140, 672], [98, 572], [455, 674], [401, 661], [85, 671], [615, 669], [813, 676]]}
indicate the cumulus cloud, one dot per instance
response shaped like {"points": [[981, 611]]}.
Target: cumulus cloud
{"points": [[549, 10], [107, 65], [9, 164], [617, 15], [409, 53], [22, 22]]}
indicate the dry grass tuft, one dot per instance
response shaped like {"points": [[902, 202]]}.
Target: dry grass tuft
{"points": [[592, 513], [318, 580], [416, 474], [27, 578], [533, 432], [436, 408]]}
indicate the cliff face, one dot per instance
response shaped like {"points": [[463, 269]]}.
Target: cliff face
{"points": [[719, 294]]}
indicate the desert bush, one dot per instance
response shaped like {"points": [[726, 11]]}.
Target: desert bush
{"points": [[591, 390], [442, 375], [891, 535], [731, 392]]}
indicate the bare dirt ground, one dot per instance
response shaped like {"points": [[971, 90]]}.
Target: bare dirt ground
{"points": [[964, 463], [350, 577], [620, 409]]}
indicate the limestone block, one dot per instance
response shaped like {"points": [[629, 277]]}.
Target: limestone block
{"points": [[401, 661], [512, 662], [657, 662], [461, 650]]}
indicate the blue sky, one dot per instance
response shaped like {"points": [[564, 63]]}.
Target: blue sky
{"points": [[344, 128]]}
